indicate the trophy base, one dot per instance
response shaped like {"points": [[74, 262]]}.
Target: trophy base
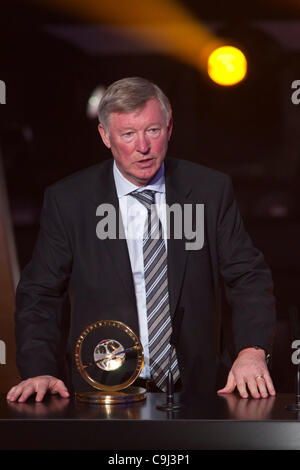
{"points": [[98, 397]]}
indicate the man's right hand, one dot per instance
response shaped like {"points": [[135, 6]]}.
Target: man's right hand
{"points": [[39, 385]]}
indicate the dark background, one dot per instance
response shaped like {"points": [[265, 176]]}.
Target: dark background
{"points": [[51, 62]]}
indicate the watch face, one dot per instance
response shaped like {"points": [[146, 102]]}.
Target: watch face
{"points": [[109, 355]]}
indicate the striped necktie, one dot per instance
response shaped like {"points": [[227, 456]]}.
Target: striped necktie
{"points": [[157, 295]]}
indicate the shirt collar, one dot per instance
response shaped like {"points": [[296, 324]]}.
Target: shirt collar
{"points": [[124, 187]]}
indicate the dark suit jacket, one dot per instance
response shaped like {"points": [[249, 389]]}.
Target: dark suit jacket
{"points": [[97, 275]]}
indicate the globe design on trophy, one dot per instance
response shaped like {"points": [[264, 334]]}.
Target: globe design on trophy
{"points": [[109, 357]]}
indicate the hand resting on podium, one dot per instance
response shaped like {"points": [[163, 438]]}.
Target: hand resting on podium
{"points": [[39, 385], [249, 373]]}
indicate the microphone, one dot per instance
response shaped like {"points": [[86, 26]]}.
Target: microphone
{"points": [[295, 327], [174, 339]]}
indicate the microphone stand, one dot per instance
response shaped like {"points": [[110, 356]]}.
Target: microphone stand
{"points": [[170, 405], [296, 406]]}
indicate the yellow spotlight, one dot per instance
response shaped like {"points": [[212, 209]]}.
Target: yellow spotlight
{"points": [[227, 65]]}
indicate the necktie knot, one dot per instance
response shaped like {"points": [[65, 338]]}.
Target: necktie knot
{"points": [[146, 197]]}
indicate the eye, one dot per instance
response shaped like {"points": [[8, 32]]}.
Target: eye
{"points": [[128, 134], [154, 130]]}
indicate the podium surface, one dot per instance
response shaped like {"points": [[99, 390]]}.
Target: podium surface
{"points": [[225, 422]]}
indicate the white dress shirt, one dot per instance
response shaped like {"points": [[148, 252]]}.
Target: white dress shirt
{"points": [[134, 216]]}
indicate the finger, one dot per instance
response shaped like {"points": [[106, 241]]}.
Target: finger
{"points": [[17, 391], [230, 385], [269, 384], [252, 384], [64, 393], [242, 388], [41, 390], [12, 394], [27, 390], [59, 387], [261, 385]]}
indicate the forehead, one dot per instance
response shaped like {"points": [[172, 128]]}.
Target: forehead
{"points": [[151, 113]]}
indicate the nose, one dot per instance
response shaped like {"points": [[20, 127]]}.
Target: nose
{"points": [[142, 144]]}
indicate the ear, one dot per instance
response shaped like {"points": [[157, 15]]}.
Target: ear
{"points": [[104, 136], [170, 128]]}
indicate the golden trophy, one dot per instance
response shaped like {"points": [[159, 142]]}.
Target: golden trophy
{"points": [[109, 357]]}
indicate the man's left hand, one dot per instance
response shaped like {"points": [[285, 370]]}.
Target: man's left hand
{"points": [[249, 373]]}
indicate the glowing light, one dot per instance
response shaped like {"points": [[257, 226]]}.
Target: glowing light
{"points": [[93, 102], [227, 65], [167, 25]]}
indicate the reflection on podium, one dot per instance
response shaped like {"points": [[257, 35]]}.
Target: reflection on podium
{"points": [[248, 409], [48, 407]]}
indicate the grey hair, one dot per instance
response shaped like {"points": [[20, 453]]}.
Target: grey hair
{"points": [[130, 94]]}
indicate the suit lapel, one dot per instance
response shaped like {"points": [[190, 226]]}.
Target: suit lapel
{"points": [[105, 193], [177, 192]]}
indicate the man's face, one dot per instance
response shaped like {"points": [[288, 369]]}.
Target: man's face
{"points": [[138, 141]]}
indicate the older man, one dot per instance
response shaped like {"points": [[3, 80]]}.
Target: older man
{"points": [[144, 280]]}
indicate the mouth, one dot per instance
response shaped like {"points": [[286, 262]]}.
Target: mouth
{"points": [[145, 163]]}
